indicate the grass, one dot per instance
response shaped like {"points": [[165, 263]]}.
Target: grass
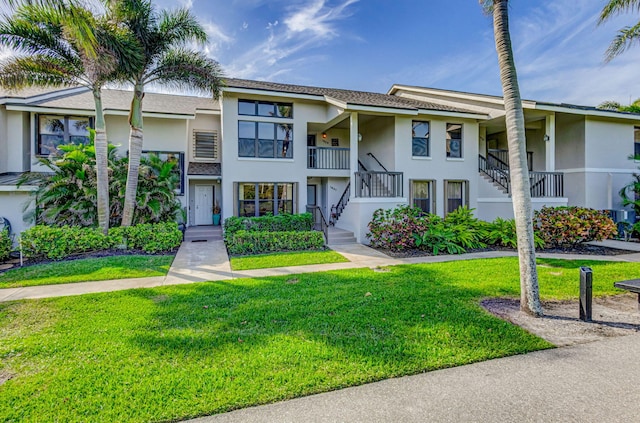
{"points": [[299, 258], [171, 353], [82, 270]]}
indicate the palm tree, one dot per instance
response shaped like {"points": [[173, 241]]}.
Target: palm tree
{"points": [[52, 56], [628, 35], [163, 37], [521, 195], [615, 106]]}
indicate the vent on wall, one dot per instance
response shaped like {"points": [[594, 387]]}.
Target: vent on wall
{"points": [[205, 145]]}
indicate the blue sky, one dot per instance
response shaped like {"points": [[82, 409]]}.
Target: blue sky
{"points": [[371, 44]]}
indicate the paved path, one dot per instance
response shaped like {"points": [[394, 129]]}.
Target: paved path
{"points": [[208, 261], [595, 382]]}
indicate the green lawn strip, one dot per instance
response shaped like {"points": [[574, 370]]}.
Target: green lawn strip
{"points": [[83, 270], [176, 352], [297, 258]]}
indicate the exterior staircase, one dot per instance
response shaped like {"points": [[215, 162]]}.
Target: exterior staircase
{"points": [[338, 236], [499, 187], [203, 233]]}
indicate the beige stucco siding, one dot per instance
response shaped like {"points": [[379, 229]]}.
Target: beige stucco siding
{"points": [[570, 136], [3, 139]]}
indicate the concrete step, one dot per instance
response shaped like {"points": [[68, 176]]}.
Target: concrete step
{"points": [[203, 233], [339, 236]]}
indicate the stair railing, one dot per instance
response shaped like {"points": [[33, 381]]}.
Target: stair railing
{"points": [[319, 221], [338, 208]]}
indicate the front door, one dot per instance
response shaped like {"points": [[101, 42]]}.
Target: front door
{"points": [[204, 204], [312, 196]]}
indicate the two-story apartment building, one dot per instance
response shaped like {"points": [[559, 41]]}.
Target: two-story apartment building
{"points": [[272, 148]]}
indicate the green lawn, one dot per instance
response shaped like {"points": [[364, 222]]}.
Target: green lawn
{"points": [[82, 270], [176, 352], [299, 258]]}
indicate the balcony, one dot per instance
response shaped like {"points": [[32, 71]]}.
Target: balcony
{"points": [[379, 184], [335, 158]]}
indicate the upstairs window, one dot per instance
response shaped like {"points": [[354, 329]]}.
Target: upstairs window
{"points": [[420, 135], [454, 140], [265, 140], [58, 130], [636, 142], [265, 108], [205, 145]]}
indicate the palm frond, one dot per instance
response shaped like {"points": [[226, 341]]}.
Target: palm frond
{"points": [[20, 72], [181, 26], [626, 38], [616, 7]]}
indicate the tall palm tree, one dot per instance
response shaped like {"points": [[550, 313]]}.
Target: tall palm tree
{"points": [[614, 105], [48, 54], [163, 37], [521, 195], [628, 35]]}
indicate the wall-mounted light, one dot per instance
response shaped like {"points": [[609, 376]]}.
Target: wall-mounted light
{"points": [[547, 138], [324, 135], [359, 137]]}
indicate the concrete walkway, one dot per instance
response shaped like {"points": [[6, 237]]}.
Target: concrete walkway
{"points": [[595, 382], [208, 261]]}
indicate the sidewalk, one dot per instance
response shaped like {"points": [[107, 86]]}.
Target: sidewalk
{"points": [[200, 262], [595, 382]]}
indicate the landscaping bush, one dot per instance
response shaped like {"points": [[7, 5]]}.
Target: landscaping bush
{"points": [[502, 232], [5, 244], [59, 242], [394, 229], [456, 233], [569, 226], [279, 223], [253, 242]]}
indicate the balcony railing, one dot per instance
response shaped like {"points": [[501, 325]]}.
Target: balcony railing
{"points": [[546, 184], [336, 158], [378, 184]]}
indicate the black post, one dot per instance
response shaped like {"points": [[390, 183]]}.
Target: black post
{"points": [[586, 282]]}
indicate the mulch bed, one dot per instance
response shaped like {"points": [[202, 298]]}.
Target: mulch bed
{"points": [[584, 249]]}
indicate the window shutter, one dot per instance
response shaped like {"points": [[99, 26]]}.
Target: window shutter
{"points": [[205, 145]]}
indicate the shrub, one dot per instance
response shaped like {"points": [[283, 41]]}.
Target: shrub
{"points": [[454, 234], [5, 244], [394, 229], [278, 223], [503, 232], [569, 226], [254, 242], [59, 242]]}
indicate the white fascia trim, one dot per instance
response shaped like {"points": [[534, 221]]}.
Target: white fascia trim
{"points": [[41, 97], [84, 112], [273, 93], [215, 178], [375, 109], [391, 200], [115, 112], [533, 200], [457, 95], [463, 115], [600, 113], [15, 188], [597, 170], [339, 104], [208, 112]]}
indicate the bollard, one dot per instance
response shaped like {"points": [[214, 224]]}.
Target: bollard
{"points": [[586, 282]]}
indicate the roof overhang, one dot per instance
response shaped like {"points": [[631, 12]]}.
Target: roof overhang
{"points": [[272, 93], [85, 112], [576, 111]]}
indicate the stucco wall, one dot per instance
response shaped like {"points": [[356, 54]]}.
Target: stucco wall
{"points": [[358, 214], [203, 122], [18, 141], [570, 141], [11, 206], [3, 139], [488, 210], [378, 139]]}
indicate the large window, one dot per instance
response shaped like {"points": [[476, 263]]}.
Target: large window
{"points": [[259, 199], [176, 157], [456, 194], [57, 130], [205, 145], [454, 140], [420, 134], [265, 108], [423, 195], [265, 140], [636, 143]]}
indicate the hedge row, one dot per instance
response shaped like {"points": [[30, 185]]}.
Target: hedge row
{"points": [[278, 223], [247, 242], [5, 244], [60, 242]]}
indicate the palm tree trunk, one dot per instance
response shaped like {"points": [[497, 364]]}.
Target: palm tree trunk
{"points": [[102, 169], [135, 152], [521, 191]]}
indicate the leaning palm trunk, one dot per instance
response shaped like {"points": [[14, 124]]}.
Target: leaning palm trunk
{"points": [[102, 170], [521, 194], [135, 152]]}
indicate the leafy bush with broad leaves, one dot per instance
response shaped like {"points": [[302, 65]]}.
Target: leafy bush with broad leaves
{"points": [[394, 229], [502, 232], [570, 226], [59, 242], [255, 242], [454, 234], [279, 223], [5, 244]]}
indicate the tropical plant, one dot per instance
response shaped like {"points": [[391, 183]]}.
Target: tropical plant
{"points": [[48, 53], [521, 194], [614, 105], [66, 196], [628, 35], [5, 244], [163, 37], [502, 232]]}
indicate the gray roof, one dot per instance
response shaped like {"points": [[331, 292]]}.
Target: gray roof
{"points": [[361, 98], [210, 169], [121, 100]]}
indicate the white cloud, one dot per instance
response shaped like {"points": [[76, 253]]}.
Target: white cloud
{"points": [[186, 3], [316, 17]]}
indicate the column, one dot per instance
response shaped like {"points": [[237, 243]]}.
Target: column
{"points": [[353, 145], [550, 143]]}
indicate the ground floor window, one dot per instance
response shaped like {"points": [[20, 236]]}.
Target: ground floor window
{"points": [[260, 199], [456, 194], [175, 157], [422, 195]]}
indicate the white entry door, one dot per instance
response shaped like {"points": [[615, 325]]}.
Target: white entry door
{"points": [[204, 204]]}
